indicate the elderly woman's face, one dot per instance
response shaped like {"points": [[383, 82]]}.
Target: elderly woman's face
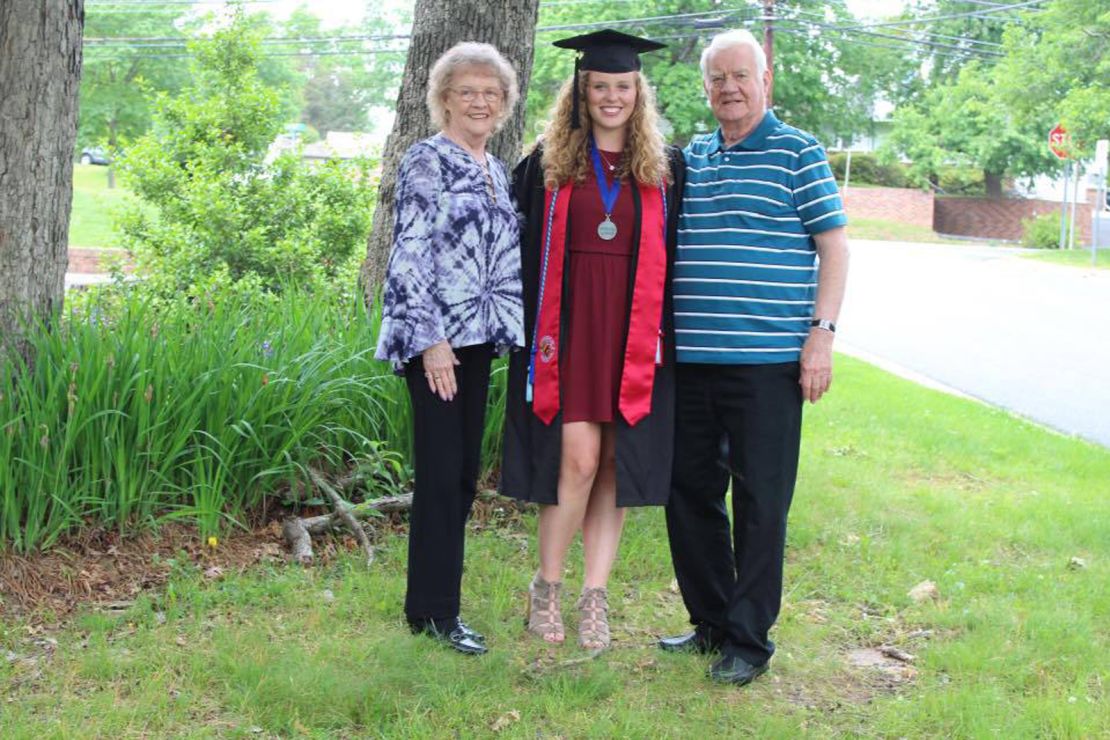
{"points": [[474, 102]]}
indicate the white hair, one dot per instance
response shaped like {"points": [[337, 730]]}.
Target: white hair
{"points": [[469, 54], [732, 40]]}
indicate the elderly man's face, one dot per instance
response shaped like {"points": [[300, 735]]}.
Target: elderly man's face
{"points": [[737, 92]]}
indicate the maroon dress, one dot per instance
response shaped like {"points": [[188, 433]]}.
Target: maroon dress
{"points": [[597, 303]]}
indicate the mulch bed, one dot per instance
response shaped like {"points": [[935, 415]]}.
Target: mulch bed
{"points": [[101, 569]]}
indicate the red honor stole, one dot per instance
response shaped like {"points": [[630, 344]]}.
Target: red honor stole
{"points": [[643, 348]]}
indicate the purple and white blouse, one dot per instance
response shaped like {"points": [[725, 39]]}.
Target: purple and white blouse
{"points": [[454, 270]]}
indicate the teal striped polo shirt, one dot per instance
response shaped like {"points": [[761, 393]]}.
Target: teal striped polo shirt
{"points": [[745, 276]]}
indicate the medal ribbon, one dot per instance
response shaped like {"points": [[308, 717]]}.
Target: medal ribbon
{"points": [[609, 193]]}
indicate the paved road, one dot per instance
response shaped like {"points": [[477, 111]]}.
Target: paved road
{"points": [[1018, 333]]}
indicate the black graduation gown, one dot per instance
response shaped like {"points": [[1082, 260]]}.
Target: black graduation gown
{"points": [[531, 450]]}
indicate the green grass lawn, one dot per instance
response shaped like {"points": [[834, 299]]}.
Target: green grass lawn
{"points": [[90, 222], [1073, 257], [898, 485], [882, 230]]}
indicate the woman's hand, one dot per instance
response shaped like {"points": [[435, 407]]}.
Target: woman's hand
{"points": [[439, 369]]}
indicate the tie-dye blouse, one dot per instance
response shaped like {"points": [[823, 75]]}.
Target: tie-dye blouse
{"points": [[454, 271]]}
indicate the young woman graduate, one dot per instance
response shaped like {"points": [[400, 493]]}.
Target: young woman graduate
{"points": [[590, 417]]}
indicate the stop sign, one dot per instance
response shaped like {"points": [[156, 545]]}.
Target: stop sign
{"points": [[1058, 141]]}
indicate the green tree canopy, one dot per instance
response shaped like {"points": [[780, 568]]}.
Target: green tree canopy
{"points": [[995, 114], [121, 73], [358, 70], [1057, 68], [965, 123], [822, 84], [214, 210]]}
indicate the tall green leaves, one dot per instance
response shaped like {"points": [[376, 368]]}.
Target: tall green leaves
{"points": [[199, 410]]}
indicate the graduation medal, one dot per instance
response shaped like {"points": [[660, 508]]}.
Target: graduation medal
{"points": [[607, 230]]}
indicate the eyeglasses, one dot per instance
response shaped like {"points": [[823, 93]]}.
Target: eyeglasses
{"points": [[468, 95], [717, 79]]}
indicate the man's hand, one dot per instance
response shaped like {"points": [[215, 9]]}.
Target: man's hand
{"points": [[816, 364], [439, 369]]}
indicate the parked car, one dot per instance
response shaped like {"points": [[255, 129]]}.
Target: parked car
{"points": [[94, 155]]}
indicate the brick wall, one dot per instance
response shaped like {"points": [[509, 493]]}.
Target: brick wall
{"points": [[94, 261], [890, 204], [1000, 218]]}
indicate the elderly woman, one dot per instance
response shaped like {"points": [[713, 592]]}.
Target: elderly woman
{"points": [[590, 409], [452, 300]]}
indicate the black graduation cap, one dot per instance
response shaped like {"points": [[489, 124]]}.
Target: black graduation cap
{"points": [[605, 51]]}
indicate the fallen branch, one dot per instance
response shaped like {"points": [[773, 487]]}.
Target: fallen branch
{"points": [[892, 652], [343, 510], [298, 531]]}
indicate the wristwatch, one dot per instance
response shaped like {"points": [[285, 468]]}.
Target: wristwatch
{"points": [[823, 324]]}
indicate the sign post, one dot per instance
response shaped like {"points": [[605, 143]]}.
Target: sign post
{"points": [[1057, 144], [1102, 153]]}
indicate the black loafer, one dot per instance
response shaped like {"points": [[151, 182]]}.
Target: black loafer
{"points": [[737, 671], [476, 636], [454, 634], [691, 642]]}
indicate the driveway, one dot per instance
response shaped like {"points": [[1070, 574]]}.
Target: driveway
{"points": [[1028, 336]]}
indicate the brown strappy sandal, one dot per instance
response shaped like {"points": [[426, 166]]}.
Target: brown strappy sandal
{"points": [[544, 618], [593, 623]]}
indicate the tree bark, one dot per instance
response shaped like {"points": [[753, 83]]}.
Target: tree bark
{"points": [[40, 67], [992, 181], [510, 26]]}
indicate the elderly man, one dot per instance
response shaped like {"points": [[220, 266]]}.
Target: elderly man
{"points": [[759, 278]]}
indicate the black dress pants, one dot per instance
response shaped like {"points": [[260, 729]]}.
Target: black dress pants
{"points": [[732, 585], [447, 450]]}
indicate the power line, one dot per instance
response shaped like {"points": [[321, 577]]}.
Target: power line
{"points": [[632, 21], [901, 39], [930, 34], [855, 41], [968, 14], [1000, 6], [270, 54], [150, 42]]}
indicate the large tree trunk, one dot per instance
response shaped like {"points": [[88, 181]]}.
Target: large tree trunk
{"points": [[507, 24], [992, 181], [40, 66]]}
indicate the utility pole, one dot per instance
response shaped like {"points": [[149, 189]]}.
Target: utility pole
{"points": [[769, 45]]}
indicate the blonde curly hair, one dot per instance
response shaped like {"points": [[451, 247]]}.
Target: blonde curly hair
{"points": [[566, 153]]}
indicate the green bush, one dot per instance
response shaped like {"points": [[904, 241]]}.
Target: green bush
{"points": [[961, 181], [213, 210], [867, 170], [1041, 232]]}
